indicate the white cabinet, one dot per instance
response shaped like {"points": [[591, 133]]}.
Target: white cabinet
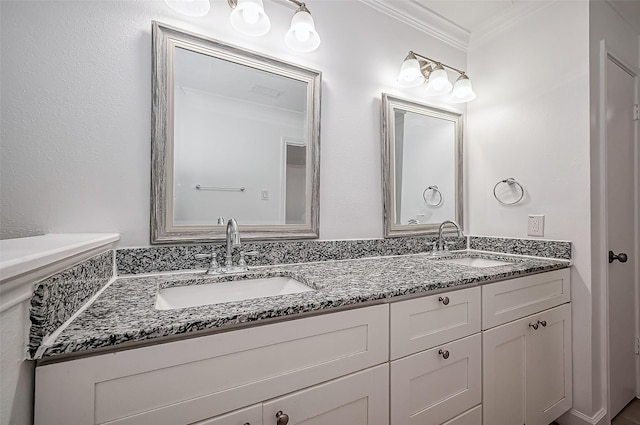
{"points": [[435, 385], [426, 361], [512, 299], [470, 417], [444, 378], [358, 399], [527, 369], [191, 380], [251, 415], [428, 321]]}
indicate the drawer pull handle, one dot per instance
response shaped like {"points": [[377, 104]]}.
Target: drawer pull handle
{"points": [[543, 323], [444, 300], [444, 353], [282, 418], [534, 326]]}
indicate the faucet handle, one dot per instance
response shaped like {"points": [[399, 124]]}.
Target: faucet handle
{"points": [[214, 259], [242, 262]]}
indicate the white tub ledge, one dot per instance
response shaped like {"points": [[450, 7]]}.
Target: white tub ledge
{"points": [[25, 261]]}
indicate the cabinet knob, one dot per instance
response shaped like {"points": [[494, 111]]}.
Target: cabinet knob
{"points": [[534, 326], [444, 353], [444, 300], [282, 418], [543, 323]]}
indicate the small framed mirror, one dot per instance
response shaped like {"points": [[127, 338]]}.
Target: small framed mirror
{"points": [[235, 134], [421, 167]]}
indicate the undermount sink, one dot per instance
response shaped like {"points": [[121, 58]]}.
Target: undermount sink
{"points": [[222, 292], [475, 262]]}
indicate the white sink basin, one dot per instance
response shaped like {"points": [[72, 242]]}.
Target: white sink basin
{"points": [[476, 262], [222, 292]]}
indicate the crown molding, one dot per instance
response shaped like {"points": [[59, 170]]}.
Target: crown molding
{"points": [[630, 16], [419, 17], [509, 18]]}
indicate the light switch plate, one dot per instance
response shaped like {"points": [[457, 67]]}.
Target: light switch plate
{"points": [[535, 225]]}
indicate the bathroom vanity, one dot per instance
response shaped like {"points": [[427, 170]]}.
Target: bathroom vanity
{"points": [[439, 342]]}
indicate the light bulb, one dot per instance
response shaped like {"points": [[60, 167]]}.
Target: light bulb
{"points": [[410, 74], [250, 15], [302, 35], [249, 18]]}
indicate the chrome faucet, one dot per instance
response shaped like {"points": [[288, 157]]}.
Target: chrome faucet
{"points": [[233, 240], [440, 246]]}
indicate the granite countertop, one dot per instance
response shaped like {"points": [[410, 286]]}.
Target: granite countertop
{"points": [[125, 312]]}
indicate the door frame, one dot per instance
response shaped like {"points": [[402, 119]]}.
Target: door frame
{"points": [[602, 248]]}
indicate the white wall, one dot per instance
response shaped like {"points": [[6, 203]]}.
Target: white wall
{"points": [[530, 121], [76, 107]]}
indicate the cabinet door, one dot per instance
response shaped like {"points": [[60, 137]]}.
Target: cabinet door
{"points": [[427, 389], [358, 399], [527, 371], [548, 371], [504, 352]]}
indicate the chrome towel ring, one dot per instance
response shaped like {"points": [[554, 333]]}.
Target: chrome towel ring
{"points": [[510, 181], [436, 191]]}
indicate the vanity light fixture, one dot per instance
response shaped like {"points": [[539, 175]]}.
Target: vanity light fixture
{"points": [[416, 69], [249, 17], [189, 7]]}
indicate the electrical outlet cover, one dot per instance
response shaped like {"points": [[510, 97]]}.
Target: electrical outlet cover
{"points": [[535, 225]]}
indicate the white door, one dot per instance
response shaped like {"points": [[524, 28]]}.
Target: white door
{"points": [[621, 194], [358, 399]]}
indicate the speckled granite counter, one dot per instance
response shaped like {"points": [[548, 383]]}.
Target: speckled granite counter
{"points": [[125, 312]]}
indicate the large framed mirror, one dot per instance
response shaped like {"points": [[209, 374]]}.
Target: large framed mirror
{"points": [[235, 134], [421, 167]]}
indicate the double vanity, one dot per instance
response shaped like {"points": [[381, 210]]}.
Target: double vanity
{"points": [[468, 338]]}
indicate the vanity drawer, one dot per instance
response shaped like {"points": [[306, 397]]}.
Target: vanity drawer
{"points": [[513, 299], [427, 389], [190, 380], [423, 323]]}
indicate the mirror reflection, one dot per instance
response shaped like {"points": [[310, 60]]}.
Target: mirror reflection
{"points": [[240, 140], [422, 167]]}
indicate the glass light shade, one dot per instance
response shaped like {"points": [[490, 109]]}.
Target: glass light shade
{"points": [[462, 90], [302, 36], [439, 83], [410, 75], [249, 18], [189, 7]]}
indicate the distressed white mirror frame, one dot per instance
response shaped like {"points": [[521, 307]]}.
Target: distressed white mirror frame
{"points": [[163, 230], [389, 105]]}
